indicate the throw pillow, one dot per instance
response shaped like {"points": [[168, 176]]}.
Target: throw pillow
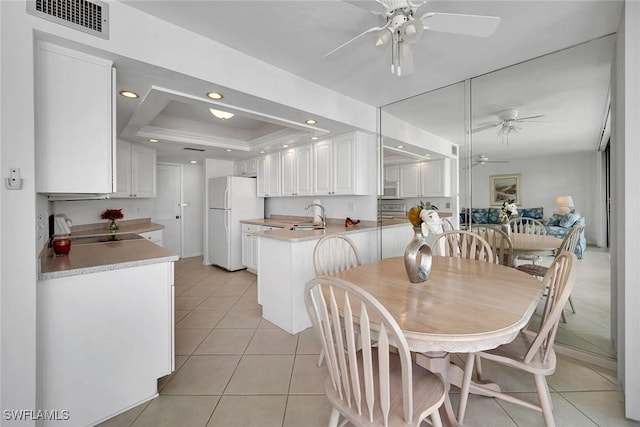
{"points": [[569, 219], [494, 216], [479, 216], [535, 213], [555, 219]]}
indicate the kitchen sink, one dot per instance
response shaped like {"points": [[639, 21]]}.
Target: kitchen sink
{"points": [[306, 227]]}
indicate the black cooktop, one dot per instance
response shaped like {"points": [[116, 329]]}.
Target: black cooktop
{"points": [[105, 239]]}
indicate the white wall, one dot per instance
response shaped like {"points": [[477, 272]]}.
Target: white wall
{"points": [[336, 207], [88, 211], [545, 178], [193, 213]]}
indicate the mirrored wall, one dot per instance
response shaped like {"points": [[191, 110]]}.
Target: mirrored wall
{"points": [[540, 124]]}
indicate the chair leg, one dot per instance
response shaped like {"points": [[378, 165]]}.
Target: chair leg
{"points": [[573, 308], [562, 316], [478, 368], [545, 400], [436, 421], [335, 417], [321, 357], [466, 383]]}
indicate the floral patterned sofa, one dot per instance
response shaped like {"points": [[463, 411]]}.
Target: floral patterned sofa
{"points": [[557, 226]]}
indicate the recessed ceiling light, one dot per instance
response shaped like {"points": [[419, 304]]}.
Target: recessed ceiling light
{"points": [[153, 140], [261, 151], [311, 122], [399, 146], [214, 95], [285, 145], [229, 149], [222, 115], [427, 155], [129, 94], [314, 138], [193, 161]]}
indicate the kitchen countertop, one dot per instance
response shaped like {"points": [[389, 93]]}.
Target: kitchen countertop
{"points": [[136, 226], [86, 258], [334, 226]]}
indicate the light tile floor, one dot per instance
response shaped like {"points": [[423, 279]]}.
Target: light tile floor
{"points": [[234, 368]]}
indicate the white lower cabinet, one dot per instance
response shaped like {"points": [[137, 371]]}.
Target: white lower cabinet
{"points": [[153, 236], [250, 247], [103, 340]]}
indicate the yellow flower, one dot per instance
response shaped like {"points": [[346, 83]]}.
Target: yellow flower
{"points": [[414, 216]]}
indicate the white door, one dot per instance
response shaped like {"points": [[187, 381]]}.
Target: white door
{"points": [[168, 206]]}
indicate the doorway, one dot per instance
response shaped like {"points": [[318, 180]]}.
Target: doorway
{"points": [[168, 206]]}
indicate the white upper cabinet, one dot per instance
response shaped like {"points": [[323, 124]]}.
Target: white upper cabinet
{"points": [[247, 167], [296, 171], [136, 173], [75, 119], [392, 173], [268, 172], [426, 179], [345, 165]]}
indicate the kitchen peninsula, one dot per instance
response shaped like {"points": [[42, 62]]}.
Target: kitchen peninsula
{"points": [[105, 318], [285, 261]]}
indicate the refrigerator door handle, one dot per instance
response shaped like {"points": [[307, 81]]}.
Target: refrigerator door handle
{"points": [[226, 199], [227, 224]]}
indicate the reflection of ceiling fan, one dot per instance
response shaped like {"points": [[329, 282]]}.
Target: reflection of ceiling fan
{"points": [[507, 123], [403, 28], [483, 160]]}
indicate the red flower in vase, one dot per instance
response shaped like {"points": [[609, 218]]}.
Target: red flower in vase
{"points": [[112, 214]]}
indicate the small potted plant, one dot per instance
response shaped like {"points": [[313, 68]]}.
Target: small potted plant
{"points": [[112, 215]]}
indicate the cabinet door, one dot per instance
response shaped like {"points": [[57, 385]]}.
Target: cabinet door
{"points": [[289, 173], [263, 177], [143, 171], [123, 170], [273, 169], [322, 162], [240, 168], [410, 180], [434, 178], [304, 176], [392, 173], [253, 252], [251, 167], [246, 250], [344, 150], [74, 117]]}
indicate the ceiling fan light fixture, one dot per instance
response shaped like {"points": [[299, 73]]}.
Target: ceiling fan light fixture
{"points": [[412, 31], [222, 115], [383, 38]]}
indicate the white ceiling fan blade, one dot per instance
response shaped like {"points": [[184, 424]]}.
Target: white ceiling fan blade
{"points": [[370, 30], [482, 127], [529, 118], [469, 25]]}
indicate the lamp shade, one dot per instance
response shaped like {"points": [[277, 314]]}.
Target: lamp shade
{"points": [[564, 203]]}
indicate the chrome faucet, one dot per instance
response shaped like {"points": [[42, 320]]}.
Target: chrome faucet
{"points": [[323, 216]]}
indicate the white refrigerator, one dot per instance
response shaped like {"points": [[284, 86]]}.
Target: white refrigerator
{"points": [[231, 199]]}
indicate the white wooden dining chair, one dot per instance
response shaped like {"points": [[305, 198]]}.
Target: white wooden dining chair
{"points": [[332, 254], [530, 352], [447, 224], [568, 244], [369, 385], [500, 243], [463, 244], [526, 225]]}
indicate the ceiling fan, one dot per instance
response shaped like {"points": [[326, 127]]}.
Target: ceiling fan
{"points": [[506, 124], [404, 28], [482, 160]]}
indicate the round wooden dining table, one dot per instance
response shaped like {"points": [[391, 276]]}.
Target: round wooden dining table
{"points": [[465, 306]]}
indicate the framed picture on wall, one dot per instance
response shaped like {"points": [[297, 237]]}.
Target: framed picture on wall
{"points": [[505, 187]]}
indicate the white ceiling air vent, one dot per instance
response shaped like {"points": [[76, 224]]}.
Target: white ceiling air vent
{"points": [[88, 16]]}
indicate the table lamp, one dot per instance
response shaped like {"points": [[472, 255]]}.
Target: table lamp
{"points": [[564, 204]]}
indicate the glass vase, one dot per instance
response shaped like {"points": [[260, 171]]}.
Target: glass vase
{"points": [[113, 226], [417, 257], [506, 229]]}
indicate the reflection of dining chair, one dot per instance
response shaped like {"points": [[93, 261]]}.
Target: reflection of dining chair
{"points": [[447, 224], [332, 254], [369, 385], [463, 244], [526, 225], [335, 253], [528, 352], [500, 243], [568, 244]]}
